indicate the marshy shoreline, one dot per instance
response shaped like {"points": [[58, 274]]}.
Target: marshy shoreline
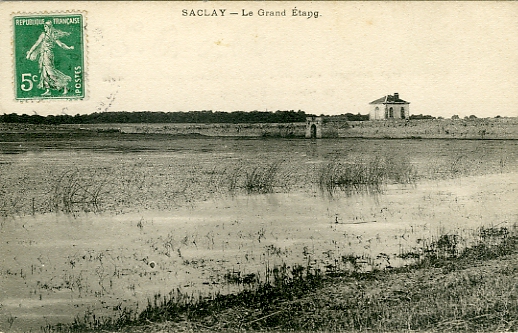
{"points": [[445, 290]]}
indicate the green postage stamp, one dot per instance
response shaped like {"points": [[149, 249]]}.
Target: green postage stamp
{"points": [[49, 56]]}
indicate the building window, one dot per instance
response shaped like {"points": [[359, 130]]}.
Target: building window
{"points": [[402, 113], [391, 112]]}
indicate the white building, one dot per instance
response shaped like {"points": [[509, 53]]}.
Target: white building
{"points": [[389, 107]]}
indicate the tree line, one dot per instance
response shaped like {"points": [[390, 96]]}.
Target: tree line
{"points": [[347, 117], [290, 116], [235, 117]]}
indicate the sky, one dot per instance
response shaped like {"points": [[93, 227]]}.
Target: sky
{"points": [[444, 58]]}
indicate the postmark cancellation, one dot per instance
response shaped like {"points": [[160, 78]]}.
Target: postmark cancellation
{"points": [[49, 56]]}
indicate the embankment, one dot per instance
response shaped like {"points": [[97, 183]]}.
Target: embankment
{"points": [[487, 128], [495, 128]]}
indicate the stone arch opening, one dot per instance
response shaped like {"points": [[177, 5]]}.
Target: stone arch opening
{"points": [[314, 127], [313, 131]]}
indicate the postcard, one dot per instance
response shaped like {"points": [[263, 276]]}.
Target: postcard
{"points": [[274, 165]]}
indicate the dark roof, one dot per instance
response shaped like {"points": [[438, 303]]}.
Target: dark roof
{"points": [[389, 99]]}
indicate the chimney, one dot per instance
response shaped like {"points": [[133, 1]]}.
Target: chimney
{"points": [[396, 96]]}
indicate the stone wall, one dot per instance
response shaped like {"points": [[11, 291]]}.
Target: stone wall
{"points": [[493, 128], [490, 128], [501, 128]]}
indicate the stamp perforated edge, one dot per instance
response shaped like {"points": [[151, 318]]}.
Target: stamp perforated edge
{"points": [[84, 13]]}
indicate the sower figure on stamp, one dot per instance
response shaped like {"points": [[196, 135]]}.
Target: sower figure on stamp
{"points": [[50, 77]]}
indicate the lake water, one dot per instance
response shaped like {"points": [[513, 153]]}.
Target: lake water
{"points": [[57, 266]]}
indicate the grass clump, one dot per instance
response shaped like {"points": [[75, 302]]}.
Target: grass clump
{"points": [[242, 178], [262, 178], [489, 243], [73, 191], [249, 309], [365, 174]]}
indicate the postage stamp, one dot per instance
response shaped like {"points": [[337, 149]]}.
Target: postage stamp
{"points": [[49, 56]]}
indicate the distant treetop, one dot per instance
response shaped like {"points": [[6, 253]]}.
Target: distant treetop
{"points": [[349, 117], [421, 116]]}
